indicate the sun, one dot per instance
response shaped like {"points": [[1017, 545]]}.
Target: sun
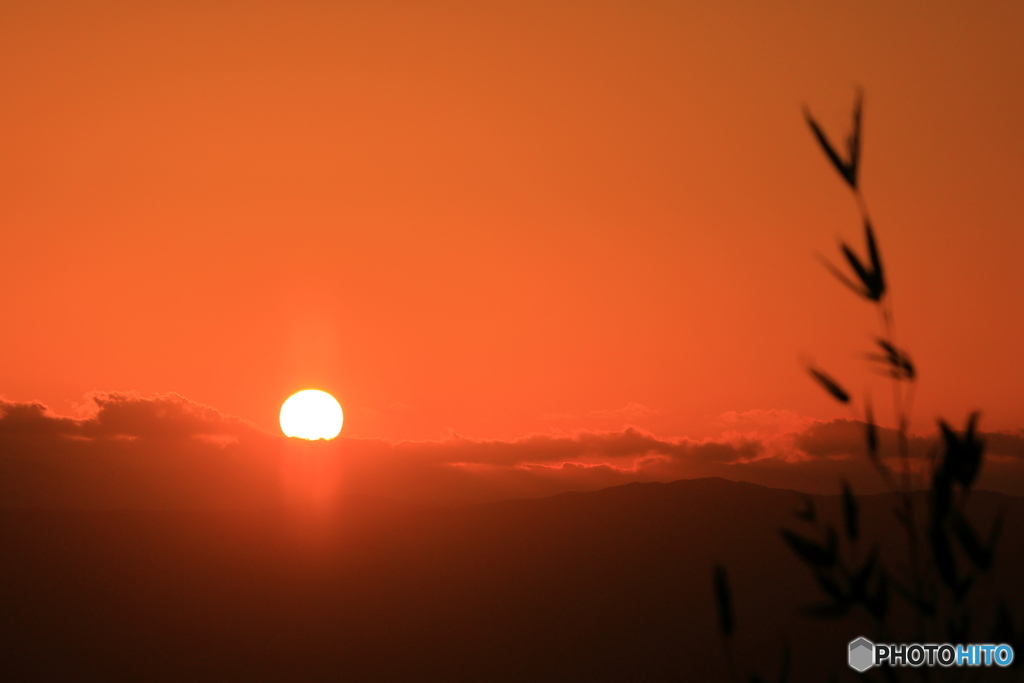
{"points": [[311, 414]]}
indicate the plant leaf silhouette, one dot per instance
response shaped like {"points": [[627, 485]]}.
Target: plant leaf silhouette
{"points": [[871, 274], [870, 431], [978, 554], [942, 553], [832, 588], [924, 606], [962, 458], [861, 577], [871, 439], [839, 275], [821, 556], [848, 167], [831, 386], [942, 495], [723, 598], [897, 360]]}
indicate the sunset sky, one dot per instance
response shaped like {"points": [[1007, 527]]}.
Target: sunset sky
{"points": [[507, 220]]}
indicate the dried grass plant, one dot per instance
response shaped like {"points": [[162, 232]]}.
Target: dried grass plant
{"points": [[946, 556]]}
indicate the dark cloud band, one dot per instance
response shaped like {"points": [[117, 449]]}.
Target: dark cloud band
{"points": [[169, 452]]}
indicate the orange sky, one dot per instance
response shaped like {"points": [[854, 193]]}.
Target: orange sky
{"points": [[505, 218]]}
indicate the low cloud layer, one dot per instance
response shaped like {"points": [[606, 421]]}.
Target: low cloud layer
{"points": [[169, 452]]}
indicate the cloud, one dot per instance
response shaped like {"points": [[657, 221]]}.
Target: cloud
{"points": [[845, 437], [165, 451], [130, 451]]}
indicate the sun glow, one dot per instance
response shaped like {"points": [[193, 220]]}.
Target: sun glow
{"points": [[311, 414]]}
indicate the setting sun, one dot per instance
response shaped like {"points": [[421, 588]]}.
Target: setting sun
{"points": [[311, 414]]}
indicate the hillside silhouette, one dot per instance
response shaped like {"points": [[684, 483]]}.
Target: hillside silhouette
{"points": [[604, 586]]}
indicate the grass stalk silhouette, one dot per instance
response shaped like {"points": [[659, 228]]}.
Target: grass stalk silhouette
{"points": [[946, 555]]}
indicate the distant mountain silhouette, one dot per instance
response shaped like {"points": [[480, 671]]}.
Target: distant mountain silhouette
{"points": [[613, 585]]}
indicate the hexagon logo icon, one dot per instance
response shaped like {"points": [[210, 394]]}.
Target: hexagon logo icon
{"points": [[862, 654]]}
